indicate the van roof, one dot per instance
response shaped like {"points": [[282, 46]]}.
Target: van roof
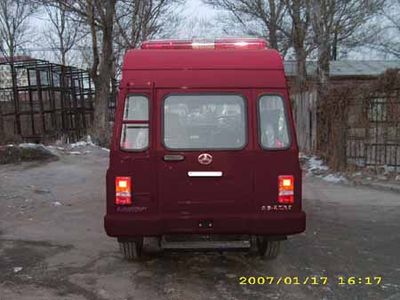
{"points": [[202, 59]]}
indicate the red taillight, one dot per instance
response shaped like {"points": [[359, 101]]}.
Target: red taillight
{"points": [[286, 189], [123, 191], [219, 44]]}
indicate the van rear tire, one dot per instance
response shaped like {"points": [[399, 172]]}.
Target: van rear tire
{"points": [[270, 249], [265, 247], [131, 249]]}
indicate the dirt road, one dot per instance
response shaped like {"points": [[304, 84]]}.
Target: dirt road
{"points": [[53, 246]]}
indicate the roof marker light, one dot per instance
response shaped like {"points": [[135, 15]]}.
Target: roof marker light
{"points": [[166, 44], [245, 43], [218, 44]]}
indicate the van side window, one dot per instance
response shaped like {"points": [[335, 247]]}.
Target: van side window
{"points": [[273, 122], [135, 128]]}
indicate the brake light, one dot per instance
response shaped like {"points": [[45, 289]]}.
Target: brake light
{"points": [[123, 191], [219, 44], [286, 189]]}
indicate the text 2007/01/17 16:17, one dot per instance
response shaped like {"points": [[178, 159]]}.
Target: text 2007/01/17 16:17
{"points": [[309, 280]]}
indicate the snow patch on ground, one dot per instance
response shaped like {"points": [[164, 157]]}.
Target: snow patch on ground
{"points": [[77, 148], [335, 178], [30, 145], [83, 143], [74, 152], [315, 166], [82, 147]]}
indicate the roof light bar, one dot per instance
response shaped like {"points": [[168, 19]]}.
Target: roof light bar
{"points": [[218, 44]]}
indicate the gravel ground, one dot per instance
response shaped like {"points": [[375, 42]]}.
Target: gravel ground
{"points": [[53, 246]]}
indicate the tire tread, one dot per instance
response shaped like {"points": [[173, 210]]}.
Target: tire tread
{"points": [[131, 250]]}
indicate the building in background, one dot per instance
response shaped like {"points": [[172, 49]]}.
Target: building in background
{"points": [[367, 131]]}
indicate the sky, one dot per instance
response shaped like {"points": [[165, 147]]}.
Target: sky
{"points": [[195, 11], [200, 21], [197, 8]]}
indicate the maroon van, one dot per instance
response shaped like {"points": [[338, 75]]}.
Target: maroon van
{"points": [[204, 151]]}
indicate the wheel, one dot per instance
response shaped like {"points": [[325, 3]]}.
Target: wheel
{"points": [[264, 247], [268, 248], [131, 249]]}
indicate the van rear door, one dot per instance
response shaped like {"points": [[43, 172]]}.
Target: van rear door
{"points": [[205, 154]]}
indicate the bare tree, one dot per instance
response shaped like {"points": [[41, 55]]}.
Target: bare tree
{"points": [[334, 22], [113, 26], [284, 23], [139, 20], [14, 15], [299, 12], [323, 12], [99, 17], [351, 24], [387, 39], [63, 34], [268, 14], [201, 27], [103, 13]]}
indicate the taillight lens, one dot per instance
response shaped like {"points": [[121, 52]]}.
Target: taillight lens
{"points": [[286, 189], [123, 188]]}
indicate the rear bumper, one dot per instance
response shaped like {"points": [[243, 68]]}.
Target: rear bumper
{"points": [[124, 225]]}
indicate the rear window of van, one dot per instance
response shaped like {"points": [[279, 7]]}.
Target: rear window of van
{"points": [[204, 122], [273, 122], [135, 127]]}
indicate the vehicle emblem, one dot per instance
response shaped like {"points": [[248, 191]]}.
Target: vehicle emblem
{"points": [[205, 159]]}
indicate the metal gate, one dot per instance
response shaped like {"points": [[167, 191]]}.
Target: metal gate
{"points": [[373, 131]]}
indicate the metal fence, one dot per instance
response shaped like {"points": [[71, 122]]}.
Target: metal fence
{"points": [[373, 131], [41, 100]]}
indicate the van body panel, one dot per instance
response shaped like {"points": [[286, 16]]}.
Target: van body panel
{"points": [[266, 59], [124, 225], [205, 79], [232, 192]]}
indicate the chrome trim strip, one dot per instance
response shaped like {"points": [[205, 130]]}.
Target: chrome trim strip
{"points": [[205, 174]]}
